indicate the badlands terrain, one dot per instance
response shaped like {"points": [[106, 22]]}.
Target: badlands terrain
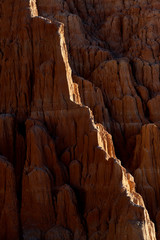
{"points": [[80, 119]]}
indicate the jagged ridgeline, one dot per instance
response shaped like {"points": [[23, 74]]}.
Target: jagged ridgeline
{"points": [[79, 90]]}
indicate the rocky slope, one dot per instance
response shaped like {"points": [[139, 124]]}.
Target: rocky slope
{"points": [[79, 84]]}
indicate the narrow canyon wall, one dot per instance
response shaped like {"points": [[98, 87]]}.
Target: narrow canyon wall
{"points": [[79, 120]]}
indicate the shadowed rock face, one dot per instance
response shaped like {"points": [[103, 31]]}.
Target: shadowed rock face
{"points": [[79, 84]]}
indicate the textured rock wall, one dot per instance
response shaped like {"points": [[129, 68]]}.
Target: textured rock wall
{"points": [[79, 84]]}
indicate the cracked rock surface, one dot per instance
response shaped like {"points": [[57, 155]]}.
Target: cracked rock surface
{"points": [[79, 120]]}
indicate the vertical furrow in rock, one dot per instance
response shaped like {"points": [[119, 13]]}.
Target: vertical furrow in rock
{"points": [[72, 74]]}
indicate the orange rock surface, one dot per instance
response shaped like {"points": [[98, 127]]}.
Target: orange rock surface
{"points": [[79, 84]]}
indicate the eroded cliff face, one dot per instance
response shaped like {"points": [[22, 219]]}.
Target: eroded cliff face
{"points": [[79, 84]]}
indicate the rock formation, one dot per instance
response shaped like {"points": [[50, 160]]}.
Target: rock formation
{"points": [[79, 84]]}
